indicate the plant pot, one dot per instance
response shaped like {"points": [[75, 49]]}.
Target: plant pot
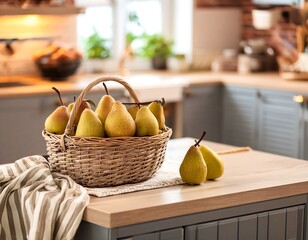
{"points": [[159, 63]]}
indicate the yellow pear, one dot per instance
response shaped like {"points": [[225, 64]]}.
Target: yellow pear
{"points": [[193, 169], [56, 122], [119, 123], [146, 123], [215, 166], [157, 109], [133, 110], [104, 106], [84, 104], [89, 125]]}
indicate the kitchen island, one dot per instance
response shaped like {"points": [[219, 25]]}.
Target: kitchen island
{"points": [[260, 196]]}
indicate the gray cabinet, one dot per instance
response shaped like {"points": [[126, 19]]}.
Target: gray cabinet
{"points": [[239, 116], [278, 123], [265, 120], [22, 121], [202, 112], [304, 132], [21, 124], [173, 234], [281, 224]]}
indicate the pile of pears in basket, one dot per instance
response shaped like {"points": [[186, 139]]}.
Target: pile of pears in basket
{"points": [[110, 118]]}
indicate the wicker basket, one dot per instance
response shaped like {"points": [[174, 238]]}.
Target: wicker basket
{"points": [[105, 162]]}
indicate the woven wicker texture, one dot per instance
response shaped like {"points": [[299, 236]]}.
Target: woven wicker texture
{"points": [[103, 162]]}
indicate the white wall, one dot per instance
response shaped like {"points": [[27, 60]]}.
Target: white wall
{"points": [[214, 29]]}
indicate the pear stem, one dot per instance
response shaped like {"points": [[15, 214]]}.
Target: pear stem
{"points": [[106, 89], [59, 95], [163, 101], [202, 136]]}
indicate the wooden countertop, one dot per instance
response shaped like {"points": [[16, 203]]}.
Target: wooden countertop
{"points": [[156, 79], [249, 177]]}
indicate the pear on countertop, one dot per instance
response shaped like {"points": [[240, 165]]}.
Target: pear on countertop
{"points": [[215, 165], [146, 123], [119, 123], [89, 125], [193, 169]]}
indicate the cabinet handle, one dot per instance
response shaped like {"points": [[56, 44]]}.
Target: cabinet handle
{"points": [[261, 97], [188, 92], [300, 99]]}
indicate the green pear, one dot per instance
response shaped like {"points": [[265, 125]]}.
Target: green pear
{"points": [[146, 123], [215, 166], [193, 169], [89, 125], [119, 123], [158, 111], [84, 104], [56, 122], [104, 106], [133, 110]]}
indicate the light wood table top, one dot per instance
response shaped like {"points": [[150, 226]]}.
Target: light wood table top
{"points": [[249, 177]]}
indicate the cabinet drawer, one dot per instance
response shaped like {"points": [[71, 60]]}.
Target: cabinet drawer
{"points": [[286, 223], [172, 234]]}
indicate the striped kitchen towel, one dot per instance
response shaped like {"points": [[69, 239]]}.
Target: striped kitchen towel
{"points": [[36, 203]]}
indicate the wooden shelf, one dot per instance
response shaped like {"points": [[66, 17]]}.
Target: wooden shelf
{"points": [[41, 10]]}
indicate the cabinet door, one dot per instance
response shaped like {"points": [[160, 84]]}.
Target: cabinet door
{"points": [[286, 223], [21, 124], [239, 116], [304, 131], [172, 234], [202, 112], [279, 123]]}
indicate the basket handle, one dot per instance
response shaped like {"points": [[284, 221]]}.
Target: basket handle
{"points": [[69, 126]]}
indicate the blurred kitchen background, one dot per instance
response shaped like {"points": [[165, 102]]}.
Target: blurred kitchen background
{"points": [[214, 35]]}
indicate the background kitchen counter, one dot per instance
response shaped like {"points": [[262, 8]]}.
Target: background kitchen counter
{"points": [[155, 79]]}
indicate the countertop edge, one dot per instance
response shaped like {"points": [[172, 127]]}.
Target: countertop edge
{"points": [[95, 216]]}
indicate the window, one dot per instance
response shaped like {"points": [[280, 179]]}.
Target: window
{"points": [[149, 14], [96, 19], [111, 20]]}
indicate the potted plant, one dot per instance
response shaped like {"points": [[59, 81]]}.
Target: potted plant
{"points": [[97, 49], [157, 48]]}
